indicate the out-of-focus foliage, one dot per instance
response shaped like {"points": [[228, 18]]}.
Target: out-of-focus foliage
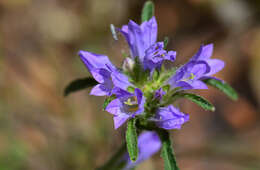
{"points": [[39, 41]]}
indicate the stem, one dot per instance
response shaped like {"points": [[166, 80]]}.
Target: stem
{"points": [[116, 162]]}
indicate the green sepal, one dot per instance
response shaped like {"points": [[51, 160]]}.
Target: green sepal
{"points": [[79, 84], [148, 11], [131, 140], [167, 152], [131, 89], [222, 86], [166, 87], [107, 101], [200, 101]]}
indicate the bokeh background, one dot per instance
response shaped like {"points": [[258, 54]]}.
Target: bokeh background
{"points": [[39, 40]]}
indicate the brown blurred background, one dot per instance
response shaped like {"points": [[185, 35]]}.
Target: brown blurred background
{"points": [[39, 41]]}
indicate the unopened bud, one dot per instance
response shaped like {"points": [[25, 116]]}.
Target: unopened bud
{"points": [[128, 64]]}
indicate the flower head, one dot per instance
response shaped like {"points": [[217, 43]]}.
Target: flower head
{"points": [[126, 105]]}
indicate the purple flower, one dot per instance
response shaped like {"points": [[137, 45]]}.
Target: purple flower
{"points": [[95, 61], [200, 66], [188, 76], [170, 118], [140, 37], [159, 94], [155, 55], [149, 143], [104, 72], [126, 105], [204, 54]]}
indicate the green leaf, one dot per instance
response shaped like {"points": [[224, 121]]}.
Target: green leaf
{"points": [[222, 86], [79, 84], [131, 140], [107, 101], [148, 11], [167, 152], [202, 102], [165, 42]]}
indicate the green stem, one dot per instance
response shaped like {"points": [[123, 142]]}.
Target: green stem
{"points": [[116, 162]]}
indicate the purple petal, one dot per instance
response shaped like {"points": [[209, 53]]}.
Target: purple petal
{"points": [[171, 118], [159, 94], [139, 95], [101, 75], [93, 61], [198, 68], [171, 56], [121, 92], [136, 42], [149, 29], [140, 100], [100, 90], [120, 80], [197, 84], [119, 120], [215, 66], [206, 52], [141, 37], [114, 107]]}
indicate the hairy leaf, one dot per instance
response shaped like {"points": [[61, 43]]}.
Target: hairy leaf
{"points": [[167, 152], [222, 86], [131, 140], [79, 84], [202, 102], [148, 11]]}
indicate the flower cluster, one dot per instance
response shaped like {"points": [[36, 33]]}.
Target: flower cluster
{"points": [[143, 87]]}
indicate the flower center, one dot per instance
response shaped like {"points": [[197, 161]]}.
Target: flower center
{"points": [[131, 104]]}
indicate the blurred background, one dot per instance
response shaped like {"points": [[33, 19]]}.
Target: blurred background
{"points": [[39, 40]]}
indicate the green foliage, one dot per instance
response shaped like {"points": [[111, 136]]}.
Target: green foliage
{"points": [[167, 152], [165, 42], [202, 102], [148, 11], [79, 84], [224, 87], [131, 140], [107, 101]]}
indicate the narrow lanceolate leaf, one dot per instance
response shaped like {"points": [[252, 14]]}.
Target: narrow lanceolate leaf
{"points": [[202, 102], [79, 84], [131, 140], [167, 152], [148, 11], [224, 87], [107, 101]]}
